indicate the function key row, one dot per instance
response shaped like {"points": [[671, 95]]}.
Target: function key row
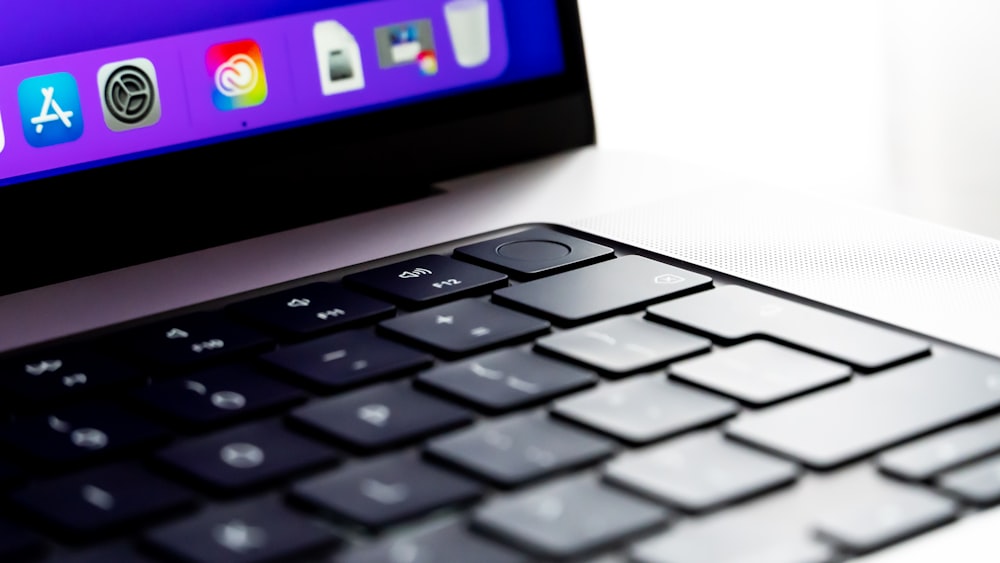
{"points": [[591, 285], [275, 321]]}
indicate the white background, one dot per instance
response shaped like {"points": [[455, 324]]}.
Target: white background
{"points": [[895, 103]]}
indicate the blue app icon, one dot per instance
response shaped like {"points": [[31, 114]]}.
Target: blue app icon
{"points": [[50, 109]]}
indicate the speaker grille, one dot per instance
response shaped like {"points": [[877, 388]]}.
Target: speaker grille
{"points": [[928, 278]]}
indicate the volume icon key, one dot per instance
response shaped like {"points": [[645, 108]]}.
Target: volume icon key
{"points": [[415, 273]]}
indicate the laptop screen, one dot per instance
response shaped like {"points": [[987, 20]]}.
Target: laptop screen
{"points": [[134, 131], [108, 82]]}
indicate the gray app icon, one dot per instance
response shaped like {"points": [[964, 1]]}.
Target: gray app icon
{"points": [[402, 43], [130, 95]]}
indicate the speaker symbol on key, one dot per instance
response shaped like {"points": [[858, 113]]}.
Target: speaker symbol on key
{"points": [[415, 273]]}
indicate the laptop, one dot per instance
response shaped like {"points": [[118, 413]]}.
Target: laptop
{"points": [[349, 280]]}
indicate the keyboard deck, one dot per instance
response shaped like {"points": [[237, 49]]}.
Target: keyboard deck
{"points": [[532, 394]]}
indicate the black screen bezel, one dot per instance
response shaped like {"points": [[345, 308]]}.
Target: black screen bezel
{"points": [[81, 223]]}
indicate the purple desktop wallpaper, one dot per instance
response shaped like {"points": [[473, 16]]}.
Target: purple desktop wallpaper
{"points": [[84, 41]]}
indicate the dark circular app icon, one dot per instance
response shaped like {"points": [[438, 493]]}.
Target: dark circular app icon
{"points": [[129, 94]]}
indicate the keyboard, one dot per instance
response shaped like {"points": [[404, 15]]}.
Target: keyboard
{"points": [[530, 394]]}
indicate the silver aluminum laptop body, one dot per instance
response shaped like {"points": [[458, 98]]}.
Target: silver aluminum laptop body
{"points": [[918, 276]]}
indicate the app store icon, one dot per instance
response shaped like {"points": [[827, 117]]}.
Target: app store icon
{"points": [[50, 109]]}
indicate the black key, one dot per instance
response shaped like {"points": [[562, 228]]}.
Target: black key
{"points": [[251, 532], [17, 543], [246, 457], [428, 280], [382, 416], [512, 451], [926, 457], [55, 375], [760, 372], [82, 434], [700, 472], [615, 286], [977, 483], [623, 345], [644, 408], [217, 396], [347, 359], [9, 473], [191, 340], [567, 518], [734, 314], [380, 492], [506, 379], [464, 327], [312, 309], [438, 542], [850, 421], [104, 552], [534, 253], [875, 521], [90, 505]]}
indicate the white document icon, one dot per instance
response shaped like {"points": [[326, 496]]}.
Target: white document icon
{"points": [[338, 57]]}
